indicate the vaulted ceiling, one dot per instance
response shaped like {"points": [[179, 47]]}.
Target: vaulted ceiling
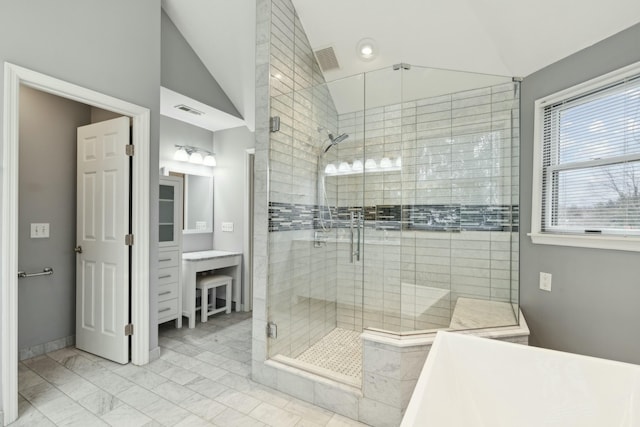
{"points": [[505, 37]]}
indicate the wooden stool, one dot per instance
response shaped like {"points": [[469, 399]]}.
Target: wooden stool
{"points": [[206, 283]]}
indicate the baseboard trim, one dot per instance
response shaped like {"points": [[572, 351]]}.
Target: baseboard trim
{"points": [[40, 349], [154, 354]]}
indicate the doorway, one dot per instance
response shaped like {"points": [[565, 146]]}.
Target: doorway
{"points": [[16, 76]]}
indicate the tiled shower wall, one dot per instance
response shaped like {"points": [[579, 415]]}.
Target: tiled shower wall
{"points": [[439, 228], [296, 284], [301, 282], [458, 185]]}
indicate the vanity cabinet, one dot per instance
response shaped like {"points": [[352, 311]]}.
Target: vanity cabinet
{"points": [[170, 251]]}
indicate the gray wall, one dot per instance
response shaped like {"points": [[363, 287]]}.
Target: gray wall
{"points": [[228, 186], [183, 72], [112, 47], [174, 132], [47, 182], [594, 306]]}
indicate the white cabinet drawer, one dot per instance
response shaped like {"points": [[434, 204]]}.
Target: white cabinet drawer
{"points": [[168, 291], [167, 309], [168, 259], [168, 275]]}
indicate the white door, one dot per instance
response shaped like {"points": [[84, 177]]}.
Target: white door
{"points": [[102, 266]]}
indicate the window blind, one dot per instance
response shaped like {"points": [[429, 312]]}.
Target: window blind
{"points": [[591, 161]]}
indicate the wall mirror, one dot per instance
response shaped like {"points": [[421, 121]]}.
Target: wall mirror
{"points": [[197, 202]]}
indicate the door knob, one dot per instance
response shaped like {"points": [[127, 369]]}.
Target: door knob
{"points": [[78, 249]]}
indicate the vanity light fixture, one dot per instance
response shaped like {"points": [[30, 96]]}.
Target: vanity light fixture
{"points": [[385, 163], [344, 167], [181, 154], [370, 166], [195, 155], [196, 158]]}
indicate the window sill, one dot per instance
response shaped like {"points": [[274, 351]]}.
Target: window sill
{"points": [[620, 243]]}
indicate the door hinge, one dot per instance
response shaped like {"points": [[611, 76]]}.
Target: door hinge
{"points": [[128, 329], [272, 330], [128, 240], [274, 124], [129, 149]]}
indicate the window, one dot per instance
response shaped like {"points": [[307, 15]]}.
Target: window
{"points": [[587, 164]]}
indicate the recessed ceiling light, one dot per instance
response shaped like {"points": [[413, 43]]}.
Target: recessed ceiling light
{"points": [[367, 49]]}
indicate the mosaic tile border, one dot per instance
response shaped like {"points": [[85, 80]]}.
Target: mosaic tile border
{"points": [[451, 218]]}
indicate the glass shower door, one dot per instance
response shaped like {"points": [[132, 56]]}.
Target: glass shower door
{"points": [[344, 175]]}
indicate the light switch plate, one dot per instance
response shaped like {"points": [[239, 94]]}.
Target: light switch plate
{"points": [[545, 281], [40, 230], [227, 226]]}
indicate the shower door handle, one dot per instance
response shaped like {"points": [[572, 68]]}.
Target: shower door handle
{"points": [[359, 223], [355, 247], [351, 231]]}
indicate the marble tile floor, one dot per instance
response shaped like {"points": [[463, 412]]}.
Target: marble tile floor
{"points": [[202, 378]]}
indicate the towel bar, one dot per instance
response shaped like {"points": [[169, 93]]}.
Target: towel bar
{"points": [[45, 272]]}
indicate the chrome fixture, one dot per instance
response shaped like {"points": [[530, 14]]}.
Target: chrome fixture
{"points": [[335, 140], [272, 330], [274, 124], [355, 223], [401, 65], [319, 240], [47, 271], [197, 155]]}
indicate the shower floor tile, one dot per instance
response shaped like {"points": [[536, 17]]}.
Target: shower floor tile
{"points": [[339, 351]]}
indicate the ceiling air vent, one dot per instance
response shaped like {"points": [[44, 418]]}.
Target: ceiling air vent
{"points": [[188, 109], [327, 59]]}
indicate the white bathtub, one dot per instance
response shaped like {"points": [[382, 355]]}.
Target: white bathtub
{"points": [[475, 382]]}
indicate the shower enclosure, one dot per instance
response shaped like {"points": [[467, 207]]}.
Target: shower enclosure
{"points": [[393, 205]]}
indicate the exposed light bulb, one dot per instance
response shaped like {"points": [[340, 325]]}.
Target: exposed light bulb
{"points": [[330, 169], [370, 164], [344, 167]]}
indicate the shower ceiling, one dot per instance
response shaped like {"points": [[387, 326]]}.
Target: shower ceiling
{"points": [[513, 38]]}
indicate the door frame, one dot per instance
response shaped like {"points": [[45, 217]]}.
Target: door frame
{"points": [[14, 76]]}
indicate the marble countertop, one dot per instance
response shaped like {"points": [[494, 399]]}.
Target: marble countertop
{"points": [[202, 255]]}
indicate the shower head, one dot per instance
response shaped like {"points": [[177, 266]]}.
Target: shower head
{"points": [[336, 140]]}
